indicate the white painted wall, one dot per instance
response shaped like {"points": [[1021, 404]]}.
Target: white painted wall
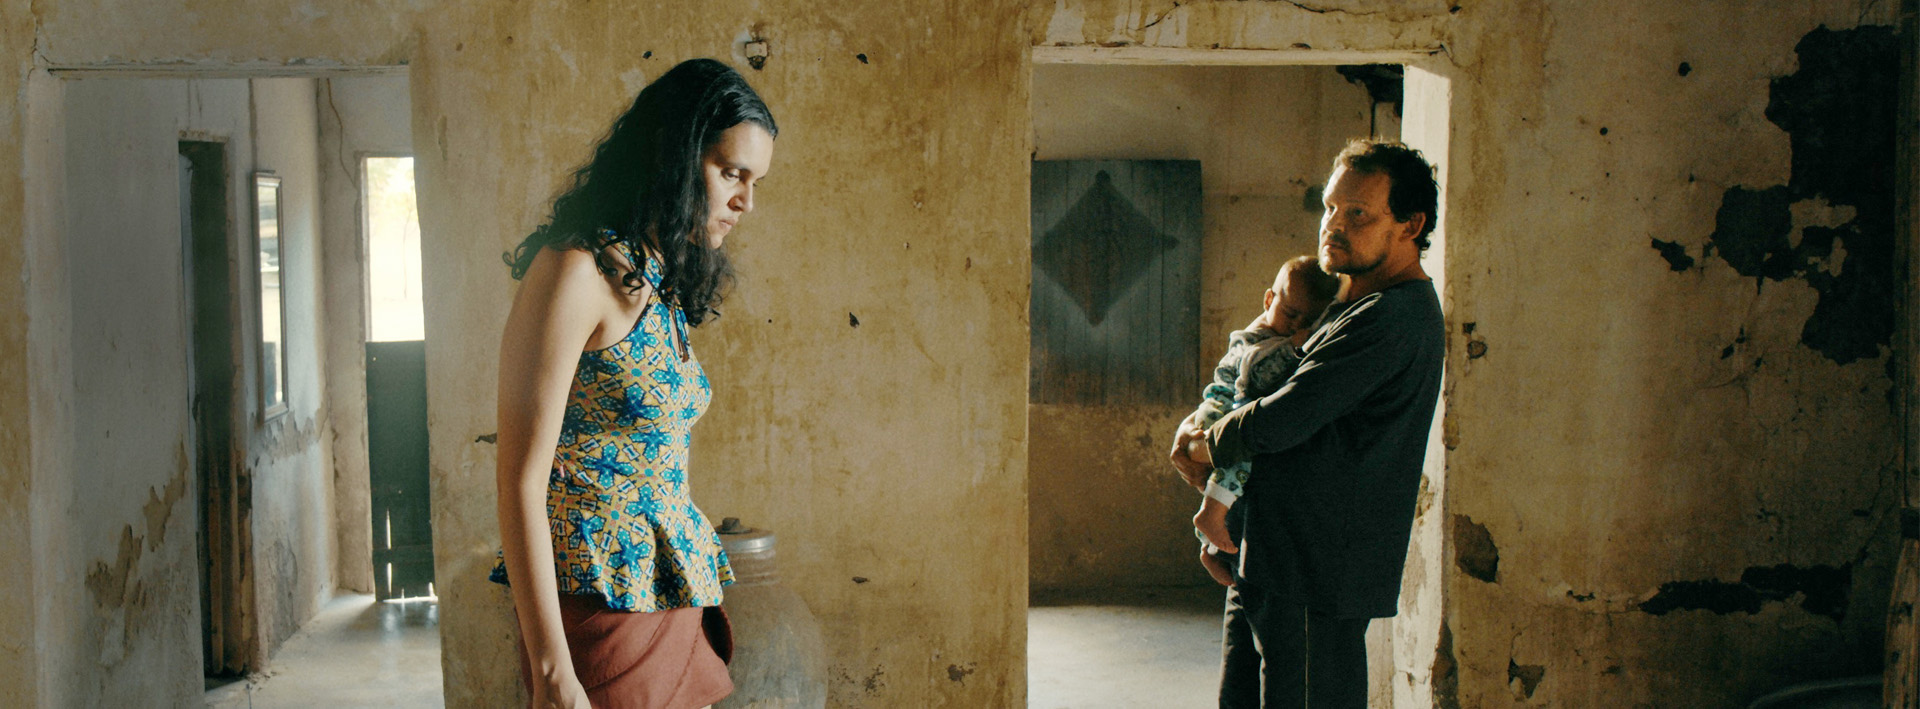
{"points": [[293, 498], [119, 523], [128, 519]]}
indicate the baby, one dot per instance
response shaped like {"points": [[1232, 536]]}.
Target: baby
{"points": [[1258, 361]]}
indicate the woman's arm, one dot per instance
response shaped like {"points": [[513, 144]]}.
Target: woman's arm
{"points": [[559, 306]]}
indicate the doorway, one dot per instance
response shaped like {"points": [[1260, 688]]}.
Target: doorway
{"points": [[1112, 556], [189, 213], [396, 360], [206, 239]]}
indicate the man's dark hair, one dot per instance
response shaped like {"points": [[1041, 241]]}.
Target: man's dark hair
{"points": [[1413, 189]]}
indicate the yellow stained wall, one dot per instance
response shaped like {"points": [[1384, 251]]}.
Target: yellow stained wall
{"points": [[1598, 434], [1630, 426], [1593, 440], [18, 629]]}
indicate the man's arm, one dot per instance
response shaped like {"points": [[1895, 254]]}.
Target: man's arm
{"points": [[1215, 401], [1218, 398], [1352, 361]]}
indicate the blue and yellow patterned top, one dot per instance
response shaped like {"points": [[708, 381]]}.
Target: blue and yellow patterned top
{"points": [[624, 525]]}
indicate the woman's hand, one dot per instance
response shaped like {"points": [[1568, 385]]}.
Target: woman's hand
{"points": [[560, 693], [561, 299]]}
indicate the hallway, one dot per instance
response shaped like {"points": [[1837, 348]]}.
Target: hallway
{"points": [[355, 653]]}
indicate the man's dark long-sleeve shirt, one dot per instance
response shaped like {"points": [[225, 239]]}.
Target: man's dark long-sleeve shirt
{"points": [[1337, 455]]}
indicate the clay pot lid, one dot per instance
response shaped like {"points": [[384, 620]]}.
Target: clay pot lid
{"points": [[741, 539]]}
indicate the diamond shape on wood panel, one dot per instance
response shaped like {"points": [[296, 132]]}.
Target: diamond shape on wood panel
{"points": [[1101, 248]]}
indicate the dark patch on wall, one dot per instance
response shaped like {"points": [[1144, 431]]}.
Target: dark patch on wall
{"points": [[1474, 551], [1311, 199], [956, 673], [1822, 590], [1750, 233], [1894, 368], [1685, 68], [1528, 675], [160, 502], [113, 584], [1446, 671], [852, 321], [1674, 253], [1737, 342], [107, 582], [1385, 83], [1838, 110]]}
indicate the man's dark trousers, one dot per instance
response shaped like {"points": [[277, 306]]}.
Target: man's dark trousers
{"points": [[1279, 655]]}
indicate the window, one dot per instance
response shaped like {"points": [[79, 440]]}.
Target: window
{"points": [[392, 224]]}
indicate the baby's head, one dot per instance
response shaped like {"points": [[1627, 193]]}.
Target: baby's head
{"points": [[1299, 293]]}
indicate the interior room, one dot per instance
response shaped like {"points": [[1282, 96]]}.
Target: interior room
{"points": [[249, 346]]}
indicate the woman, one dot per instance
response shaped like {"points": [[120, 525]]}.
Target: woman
{"points": [[616, 575]]}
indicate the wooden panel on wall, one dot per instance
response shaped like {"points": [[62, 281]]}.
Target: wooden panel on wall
{"points": [[1116, 281]]}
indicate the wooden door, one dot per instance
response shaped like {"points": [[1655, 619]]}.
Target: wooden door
{"points": [[1116, 282], [225, 540], [397, 466]]}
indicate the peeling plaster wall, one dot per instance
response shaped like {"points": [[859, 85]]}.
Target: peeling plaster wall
{"points": [[359, 116], [120, 586], [1659, 494], [1610, 452], [42, 442], [1106, 509], [1598, 435], [922, 241], [889, 456], [127, 517]]}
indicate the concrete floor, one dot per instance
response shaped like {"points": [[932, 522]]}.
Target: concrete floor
{"points": [[355, 653], [1149, 648], [1115, 649]]}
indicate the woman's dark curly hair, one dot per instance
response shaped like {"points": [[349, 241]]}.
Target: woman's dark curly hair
{"points": [[644, 186]]}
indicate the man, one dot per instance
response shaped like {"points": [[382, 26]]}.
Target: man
{"points": [[1337, 452]]}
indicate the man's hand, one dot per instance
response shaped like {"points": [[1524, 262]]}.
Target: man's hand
{"points": [[1200, 451], [1194, 471], [1215, 567]]}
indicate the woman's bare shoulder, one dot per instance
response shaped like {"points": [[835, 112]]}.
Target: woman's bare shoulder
{"points": [[566, 274]]}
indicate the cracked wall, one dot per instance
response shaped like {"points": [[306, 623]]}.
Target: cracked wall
{"points": [[1671, 417], [1599, 435]]}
